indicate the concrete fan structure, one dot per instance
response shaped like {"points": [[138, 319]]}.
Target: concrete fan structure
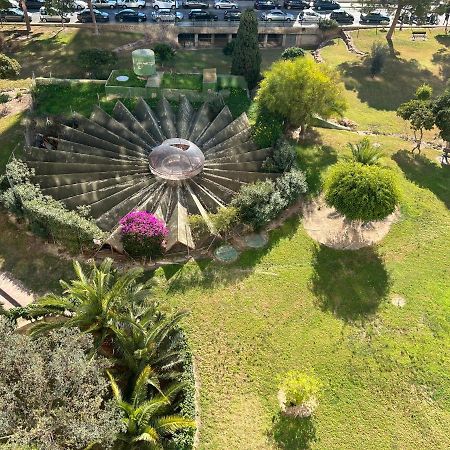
{"points": [[191, 162]]}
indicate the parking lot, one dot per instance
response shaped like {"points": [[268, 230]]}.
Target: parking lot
{"points": [[352, 8]]}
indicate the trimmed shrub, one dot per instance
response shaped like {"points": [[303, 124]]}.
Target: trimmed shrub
{"points": [[328, 25], [229, 48], [283, 158], [163, 53], [361, 192], [97, 61], [267, 127], [9, 67], [293, 52], [377, 58], [291, 185], [143, 234]]}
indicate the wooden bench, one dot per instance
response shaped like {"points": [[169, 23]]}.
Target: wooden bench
{"points": [[421, 34]]}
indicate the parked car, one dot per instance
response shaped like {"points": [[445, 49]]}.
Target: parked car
{"points": [[232, 16], [12, 15], [276, 15], [225, 4], [326, 5], [84, 16], [167, 15], [266, 4], [130, 15], [342, 17], [80, 4], [195, 4], [34, 4], [296, 4], [199, 14], [102, 4], [139, 4], [374, 18], [165, 4], [308, 17], [46, 15]]}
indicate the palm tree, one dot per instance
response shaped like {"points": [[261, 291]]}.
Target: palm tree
{"points": [[146, 421], [365, 153], [23, 5], [149, 337], [93, 303]]}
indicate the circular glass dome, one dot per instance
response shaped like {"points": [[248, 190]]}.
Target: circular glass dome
{"points": [[176, 159]]}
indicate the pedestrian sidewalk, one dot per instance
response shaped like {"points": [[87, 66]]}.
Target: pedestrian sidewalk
{"points": [[12, 294]]}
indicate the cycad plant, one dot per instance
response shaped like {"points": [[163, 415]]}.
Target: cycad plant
{"points": [[149, 420], [365, 153]]}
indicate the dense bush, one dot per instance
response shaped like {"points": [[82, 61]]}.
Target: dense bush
{"points": [[377, 58], [328, 25], [163, 52], [293, 52], [365, 152], [441, 110], [267, 127], [282, 159], [299, 388], [223, 221], [229, 48], [143, 234], [237, 101], [97, 61], [9, 67], [361, 192], [259, 203]]}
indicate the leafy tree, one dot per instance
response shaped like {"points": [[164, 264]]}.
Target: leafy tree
{"points": [[365, 153], [9, 67], [148, 424], [361, 192], [441, 110], [61, 7], [246, 55], [164, 53], [52, 393], [419, 112], [377, 58], [292, 53], [299, 387], [300, 89], [96, 60]]}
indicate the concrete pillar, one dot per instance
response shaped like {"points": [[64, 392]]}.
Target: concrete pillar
{"points": [[213, 39], [196, 40], [283, 41], [265, 40], [230, 37]]}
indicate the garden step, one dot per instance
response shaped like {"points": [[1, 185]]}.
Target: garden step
{"points": [[223, 193], [245, 177], [226, 181], [200, 122], [124, 116], [256, 155], [151, 202], [222, 119], [253, 166], [106, 121], [238, 149], [201, 209], [55, 168], [232, 129], [167, 201], [179, 228], [114, 151], [233, 141], [166, 118], [210, 201], [69, 190], [148, 119], [184, 117]]}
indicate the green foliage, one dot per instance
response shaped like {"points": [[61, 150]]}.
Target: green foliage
{"points": [[97, 61], [377, 58], [237, 101], [328, 25], [182, 81], [229, 48], [282, 159], [246, 55], [299, 387], [9, 67], [361, 192], [299, 89], [267, 127], [441, 110], [198, 225], [424, 92], [365, 153], [163, 52], [60, 7], [4, 98], [259, 203], [223, 221], [54, 392], [292, 53]]}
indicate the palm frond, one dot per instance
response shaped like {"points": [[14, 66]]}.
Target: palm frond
{"points": [[43, 326], [170, 424], [114, 387]]}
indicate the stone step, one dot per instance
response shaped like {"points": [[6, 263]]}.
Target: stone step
{"points": [[200, 122], [184, 117], [233, 141], [244, 177], [56, 168], [234, 128], [222, 192], [222, 119], [253, 166], [148, 119], [256, 155], [166, 118], [230, 183], [244, 147]]}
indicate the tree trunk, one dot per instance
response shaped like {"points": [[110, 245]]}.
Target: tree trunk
{"points": [[26, 16], [94, 20], [391, 31]]}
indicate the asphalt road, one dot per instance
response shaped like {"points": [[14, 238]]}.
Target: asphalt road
{"points": [[346, 5]]}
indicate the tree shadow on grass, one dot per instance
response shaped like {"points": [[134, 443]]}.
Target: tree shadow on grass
{"points": [[442, 59], [396, 84], [443, 39], [349, 283], [293, 434], [425, 173]]}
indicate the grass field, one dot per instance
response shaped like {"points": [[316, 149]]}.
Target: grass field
{"points": [[299, 305]]}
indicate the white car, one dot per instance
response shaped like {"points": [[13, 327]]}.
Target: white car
{"points": [[167, 15], [308, 16], [46, 15], [140, 4], [162, 4], [80, 4], [225, 4], [100, 4]]}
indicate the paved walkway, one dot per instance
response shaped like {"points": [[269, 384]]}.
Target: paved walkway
{"points": [[12, 294]]}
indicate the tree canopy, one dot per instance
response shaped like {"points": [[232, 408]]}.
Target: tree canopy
{"points": [[441, 109], [300, 89]]}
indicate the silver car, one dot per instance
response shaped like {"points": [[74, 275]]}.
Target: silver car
{"points": [[47, 15], [277, 15], [308, 16], [225, 4], [167, 15], [140, 4]]}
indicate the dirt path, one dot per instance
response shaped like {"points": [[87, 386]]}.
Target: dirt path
{"points": [[12, 293]]}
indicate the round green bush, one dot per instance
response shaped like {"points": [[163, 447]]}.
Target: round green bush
{"points": [[9, 67], [299, 388], [361, 192]]}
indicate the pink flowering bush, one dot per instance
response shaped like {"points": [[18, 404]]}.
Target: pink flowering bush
{"points": [[143, 234]]}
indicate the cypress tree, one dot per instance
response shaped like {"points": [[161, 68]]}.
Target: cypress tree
{"points": [[246, 56]]}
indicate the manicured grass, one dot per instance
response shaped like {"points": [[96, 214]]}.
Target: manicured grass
{"points": [[133, 79], [191, 81]]}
